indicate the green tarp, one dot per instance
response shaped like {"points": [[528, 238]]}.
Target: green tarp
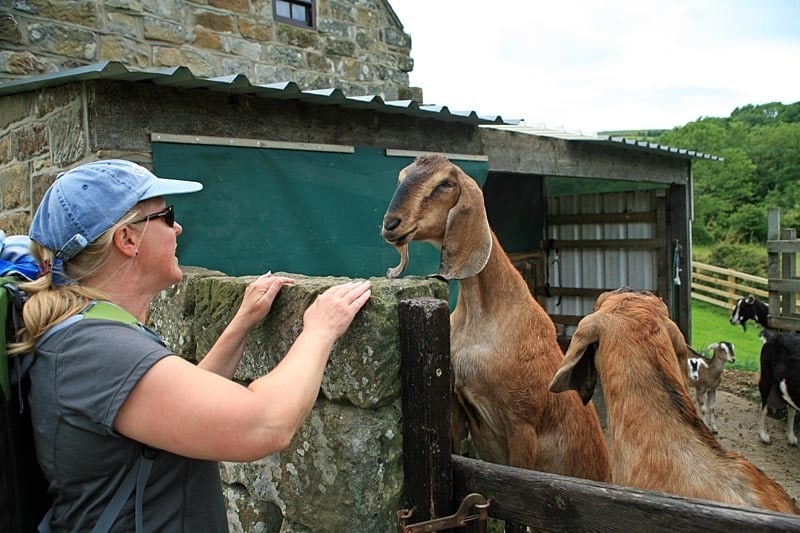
{"points": [[305, 212]]}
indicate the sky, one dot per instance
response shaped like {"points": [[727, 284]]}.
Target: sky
{"points": [[597, 65]]}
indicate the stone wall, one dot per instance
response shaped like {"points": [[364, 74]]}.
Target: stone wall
{"points": [[359, 46], [343, 470]]}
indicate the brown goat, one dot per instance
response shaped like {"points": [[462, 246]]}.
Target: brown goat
{"points": [[658, 442], [503, 345]]}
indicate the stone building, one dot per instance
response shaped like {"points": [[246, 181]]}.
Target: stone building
{"points": [[357, 46]]}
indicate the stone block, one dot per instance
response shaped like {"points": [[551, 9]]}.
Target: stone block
{"points": [[55, 97], [15, 223], [67, 41], [343, 471], [21, 63], [201, 65], [242, 47], [238, 6], [68, 136], [15, 186], [9, 29], [215, 21], [29, 140], [81, 12], [252, 29], [162, 30], [204, 38], [129, 51], [15, 108], [120, 24]]}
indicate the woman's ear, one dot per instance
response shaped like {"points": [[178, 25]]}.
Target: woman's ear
{"points": [[126, 241]]}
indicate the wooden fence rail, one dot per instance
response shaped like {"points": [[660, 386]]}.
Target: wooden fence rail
{"points": [[722, 287]]}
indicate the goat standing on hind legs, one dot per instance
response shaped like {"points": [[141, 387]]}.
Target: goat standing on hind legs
{"points": [[658, 441], [503, 345]]}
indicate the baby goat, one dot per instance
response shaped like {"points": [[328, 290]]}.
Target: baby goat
{"points": [[779, 382], [658, 441], [503, 345], [709, 375], [749, 308]]}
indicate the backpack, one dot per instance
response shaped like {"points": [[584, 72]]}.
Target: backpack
{"points": [[23, 489], [24, 500]]}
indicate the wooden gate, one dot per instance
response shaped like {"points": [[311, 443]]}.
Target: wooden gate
{"points": [[783, 283], [437, 482]]}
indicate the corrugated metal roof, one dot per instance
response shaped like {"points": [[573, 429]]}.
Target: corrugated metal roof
{"points": [[182, 77], [521, 127]]}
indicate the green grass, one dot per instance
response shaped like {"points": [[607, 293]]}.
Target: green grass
{"points": [[710, 324]]}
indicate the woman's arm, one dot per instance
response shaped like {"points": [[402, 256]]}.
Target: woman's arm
{"points": [[189, 411], [225, 355]]}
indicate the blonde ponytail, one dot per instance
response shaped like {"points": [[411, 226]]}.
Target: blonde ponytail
{"points": [[51, 299]]}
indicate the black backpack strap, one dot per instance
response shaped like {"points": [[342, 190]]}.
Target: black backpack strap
{"points": [[136, 478]]}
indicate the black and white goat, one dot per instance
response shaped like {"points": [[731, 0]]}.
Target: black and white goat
{"points": [[707, 378], [779, 383], [749, 308]]}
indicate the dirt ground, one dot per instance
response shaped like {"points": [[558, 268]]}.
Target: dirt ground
{"points": [[737, 412]]}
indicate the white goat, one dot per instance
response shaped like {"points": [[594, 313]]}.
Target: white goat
{"points": [[709, 376], [658, 441], [503, 345]]}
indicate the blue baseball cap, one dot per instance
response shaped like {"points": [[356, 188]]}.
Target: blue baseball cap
{"points": [[89, 199]]}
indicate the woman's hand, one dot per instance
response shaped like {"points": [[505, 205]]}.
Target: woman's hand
{"points": [[334, 310], [259, 297]]}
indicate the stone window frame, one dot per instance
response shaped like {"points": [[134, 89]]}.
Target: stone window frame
{"points": [[309, 7]]}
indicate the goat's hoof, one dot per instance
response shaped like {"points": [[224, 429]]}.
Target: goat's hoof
{"points": [[763, 437], [792, 441]]}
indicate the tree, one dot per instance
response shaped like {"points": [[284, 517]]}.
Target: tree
{"points": [[760, 145]]}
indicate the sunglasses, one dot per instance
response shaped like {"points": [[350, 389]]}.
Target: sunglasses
{"points": [[167, 214]]}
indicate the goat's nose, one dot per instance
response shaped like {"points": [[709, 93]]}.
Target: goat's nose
{"points": [[389, 223]]}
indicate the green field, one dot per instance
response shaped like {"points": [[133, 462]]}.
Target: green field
{"points": [[710, 324]]}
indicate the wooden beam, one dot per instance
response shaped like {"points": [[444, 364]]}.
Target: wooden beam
{"points": [[601, 218], [550, 502], [604, 244]]}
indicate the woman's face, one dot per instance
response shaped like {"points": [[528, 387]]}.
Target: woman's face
{"points": [[156, 252]]}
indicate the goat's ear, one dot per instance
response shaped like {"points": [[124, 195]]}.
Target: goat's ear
{"points": [[467, 241], [578, 371]]}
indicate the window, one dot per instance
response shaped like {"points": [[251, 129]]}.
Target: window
{"points": [[296, 12]]}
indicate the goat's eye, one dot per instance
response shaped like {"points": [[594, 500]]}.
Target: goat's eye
{"points": [[446, 184]]}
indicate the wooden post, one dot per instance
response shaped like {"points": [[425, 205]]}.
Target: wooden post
{"points": [[426, 397], [773, 260], [788, 271]]}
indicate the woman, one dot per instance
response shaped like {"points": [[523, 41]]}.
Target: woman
{"points": [[103, 393]]}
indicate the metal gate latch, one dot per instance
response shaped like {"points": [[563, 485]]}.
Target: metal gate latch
{"points": [[458, 520]]}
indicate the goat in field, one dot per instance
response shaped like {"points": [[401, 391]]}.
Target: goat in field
{"points": [[749, 308], [708, 378], [503, 345], [658, 442], [779, 381]]}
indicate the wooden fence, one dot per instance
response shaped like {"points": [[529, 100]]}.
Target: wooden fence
{"points": [[722, 286], [449, 492]]}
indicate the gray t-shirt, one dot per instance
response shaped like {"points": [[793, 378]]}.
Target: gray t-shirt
{"points": [[81, 378]]}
